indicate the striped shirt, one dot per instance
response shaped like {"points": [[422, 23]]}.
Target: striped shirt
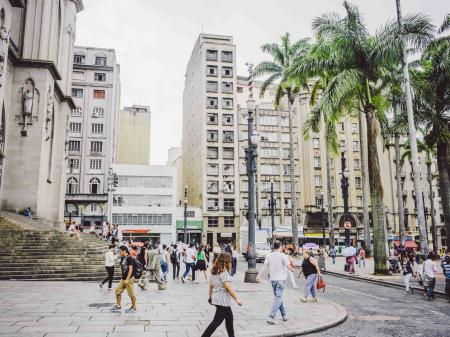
{"points": [[220, 295], [446, 268]]}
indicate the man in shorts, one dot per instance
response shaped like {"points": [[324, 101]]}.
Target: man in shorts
{"points": [[127, 281]]}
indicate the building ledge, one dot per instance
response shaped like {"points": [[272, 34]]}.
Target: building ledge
{"points": [[87, 197]]}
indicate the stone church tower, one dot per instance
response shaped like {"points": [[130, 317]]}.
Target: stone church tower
{"points": [[36, 57]]}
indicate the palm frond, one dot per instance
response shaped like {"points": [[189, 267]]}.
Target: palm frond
{"points": [[445, 24]]}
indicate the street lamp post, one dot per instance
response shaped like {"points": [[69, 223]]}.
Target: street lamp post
{"points": [[344, 186], [322, 214], [185, 215], [272, 206], [250, 158]]}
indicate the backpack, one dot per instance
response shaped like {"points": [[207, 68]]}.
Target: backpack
{"points": [[173, 257], [137, 269]]}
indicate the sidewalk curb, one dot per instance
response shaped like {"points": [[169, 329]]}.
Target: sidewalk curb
{"points": [[439, 294]]}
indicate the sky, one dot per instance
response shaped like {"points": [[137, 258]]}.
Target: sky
{"points": [[153, 40]]}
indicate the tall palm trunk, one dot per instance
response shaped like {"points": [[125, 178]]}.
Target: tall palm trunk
{"points": [[329, 197], [443, 160], [365, 191], [398, 175], [376, 195], [430, 195], [292, 175]]}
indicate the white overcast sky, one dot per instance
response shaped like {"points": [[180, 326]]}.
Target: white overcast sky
{"points": [[153, 40]]}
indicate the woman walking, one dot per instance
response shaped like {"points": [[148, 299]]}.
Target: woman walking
{"points": [[289, 253], [311, 271], [200, 265], [351, 260], [165, 258], [408, 272], [429, 273], [220, 294], [110, 259]]}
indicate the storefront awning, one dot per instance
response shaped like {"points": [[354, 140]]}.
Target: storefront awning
{"points": [[408, 244], [136, 231], [191, 224]]}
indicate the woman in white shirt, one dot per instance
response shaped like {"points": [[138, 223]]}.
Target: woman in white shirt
{"points": [[429, 274], [110, 260]]}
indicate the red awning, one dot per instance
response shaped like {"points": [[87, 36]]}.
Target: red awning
{"points": [[408, 244], [137, 231]]}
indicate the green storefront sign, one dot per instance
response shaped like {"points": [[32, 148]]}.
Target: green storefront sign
{"points": [[191, 224]]}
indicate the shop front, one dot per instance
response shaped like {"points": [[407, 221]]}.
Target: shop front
{"points": [[194, 230]]}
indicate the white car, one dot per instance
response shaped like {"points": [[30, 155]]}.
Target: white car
{"points": [[262, 249]]}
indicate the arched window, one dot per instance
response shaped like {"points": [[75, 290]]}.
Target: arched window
{"points": [[72, 186], [94, 186], [71, 209]]}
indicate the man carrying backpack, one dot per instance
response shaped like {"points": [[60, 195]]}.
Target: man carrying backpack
{"points": [[175, 260], [127, 282], [153, 269]]}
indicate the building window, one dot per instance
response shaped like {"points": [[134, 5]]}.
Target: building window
{"points": [[212, 186], [268, 120], [95, 165], [213, 119], [318, 181], [269, 137], [100, 61], [341, 127], [286, 169], [228, 204], [227, 103], [228, 170], [316, 143], [269, 169], [98, 112], [212, 86], [76, 112], [211, 55], [228, 187], [359, 201], [97, 128], [240, 90], [269, 152], [74, 145], [228, 221], [227, 72], [79, 59], [211, 71], [94, 186], [213, 169], [356, 164], [227, 119], [227, 56], [96, 147], [99, 94], [73, 165], [319, 200], [213, 204], [76, 92], [227, 87], [213, 221], [342, 144], [358, 182], [78, 75], [212, 136], [317, 162], [212, 102], [212, 152], [228, 153], [72, 186], [228, 136], [284, 121], [355, 145], [354, 127], [100, 77], [75, 127]]}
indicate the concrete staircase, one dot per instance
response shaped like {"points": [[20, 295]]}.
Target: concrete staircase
{"points": [[29, 252]]}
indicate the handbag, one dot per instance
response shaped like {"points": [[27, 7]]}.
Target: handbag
{"points": [[321, 284]]}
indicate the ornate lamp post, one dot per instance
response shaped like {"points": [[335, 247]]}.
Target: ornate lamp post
{"points": [[344, 185], [272, 206], [185, 215], [323, 220]]}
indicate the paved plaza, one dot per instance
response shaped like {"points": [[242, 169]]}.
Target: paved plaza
{"points": [[66, 309]]}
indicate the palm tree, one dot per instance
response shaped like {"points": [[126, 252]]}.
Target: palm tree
{"points": [[356, 58], [429, 152], [430, 77], [277, 70]]}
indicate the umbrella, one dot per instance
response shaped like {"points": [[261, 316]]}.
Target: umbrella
{"points": [[310, 245], [349, 251]]}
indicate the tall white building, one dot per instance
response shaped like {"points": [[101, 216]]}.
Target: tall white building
{"points": [[210, 146], [92, 128]]}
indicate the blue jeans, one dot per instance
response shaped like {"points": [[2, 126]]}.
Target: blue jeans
{"points": [[165, 270], [431, 286], [278, 288], [190, 266], [334, 259], [310, 285]]}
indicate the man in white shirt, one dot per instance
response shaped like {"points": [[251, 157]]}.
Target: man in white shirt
{"points": [[191, 255], [278, 263]]}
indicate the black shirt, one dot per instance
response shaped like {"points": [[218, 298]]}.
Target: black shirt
{"points": [[126, 261], [308, 268]]}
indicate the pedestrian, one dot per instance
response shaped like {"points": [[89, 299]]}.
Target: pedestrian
{"points": [[165, 259], [105, 230], [73, 230], [134, 251], [110, 260], [311, 271], [445, 264], [200, 264], [289, 253], [142, 255], [127, 281], [152, 269], [190, 255], [220, 294], [362, 257], [333, 254], [429, 273], [321, 258], [408, 272], [351, 260], [175, 260], [278, 263], [208, 251], [234, 259]]}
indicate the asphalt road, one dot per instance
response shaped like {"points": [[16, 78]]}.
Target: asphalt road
{"points": [[379, 311]]}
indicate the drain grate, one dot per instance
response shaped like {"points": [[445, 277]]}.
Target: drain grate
{"points": [[100, 305]]}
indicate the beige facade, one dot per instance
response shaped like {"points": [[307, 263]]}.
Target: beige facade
{"points": [[134, 135], [36, 55], [210, 146]]}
